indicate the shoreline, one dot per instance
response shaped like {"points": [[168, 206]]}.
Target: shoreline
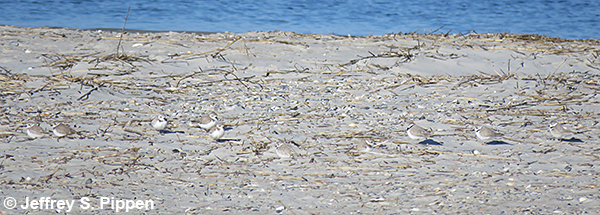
{"points": [[321, 92], [503, 34]]}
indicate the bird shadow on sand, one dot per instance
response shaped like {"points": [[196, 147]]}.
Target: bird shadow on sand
{"points": [[430, 142], [227, 139], [170, 132], [572, 140], [496, 142]]}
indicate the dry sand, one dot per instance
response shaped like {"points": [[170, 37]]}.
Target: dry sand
{"points": [[321, 92]]}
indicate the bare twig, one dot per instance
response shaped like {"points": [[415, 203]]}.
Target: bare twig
{"points": [[87, 95], [550, 75], [129, 151], [188, 76], [122, 31], [286, 207], [214, 55], [48, 177], [407, 57]]}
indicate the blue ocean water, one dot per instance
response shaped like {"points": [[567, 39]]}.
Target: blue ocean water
{"points": [[574, 19]]}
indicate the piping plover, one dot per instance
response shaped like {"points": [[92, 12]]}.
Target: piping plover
{"points": [[363, 145], [35, 131], [286, 150], [159, 122], [62, 130], [217, 131], [559, 131], [484, 133], [416, 132], [207, 121]]}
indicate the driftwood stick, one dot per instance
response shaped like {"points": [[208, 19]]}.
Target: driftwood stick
{"points": [[122, 32]]}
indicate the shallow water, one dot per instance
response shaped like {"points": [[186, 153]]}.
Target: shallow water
{"points": [[567, 19]]}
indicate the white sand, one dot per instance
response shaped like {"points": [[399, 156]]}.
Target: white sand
{"points": [[315, 90]]}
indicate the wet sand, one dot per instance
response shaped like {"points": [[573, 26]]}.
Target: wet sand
{"points": [[322, 93]]}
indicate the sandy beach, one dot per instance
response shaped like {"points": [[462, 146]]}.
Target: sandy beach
{"points": [[322, 94]]}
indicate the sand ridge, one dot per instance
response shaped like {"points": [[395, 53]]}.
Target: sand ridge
{"points": [[321, 92]]}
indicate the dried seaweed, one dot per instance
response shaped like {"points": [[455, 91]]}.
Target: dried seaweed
{"points": [[404, 57]]}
